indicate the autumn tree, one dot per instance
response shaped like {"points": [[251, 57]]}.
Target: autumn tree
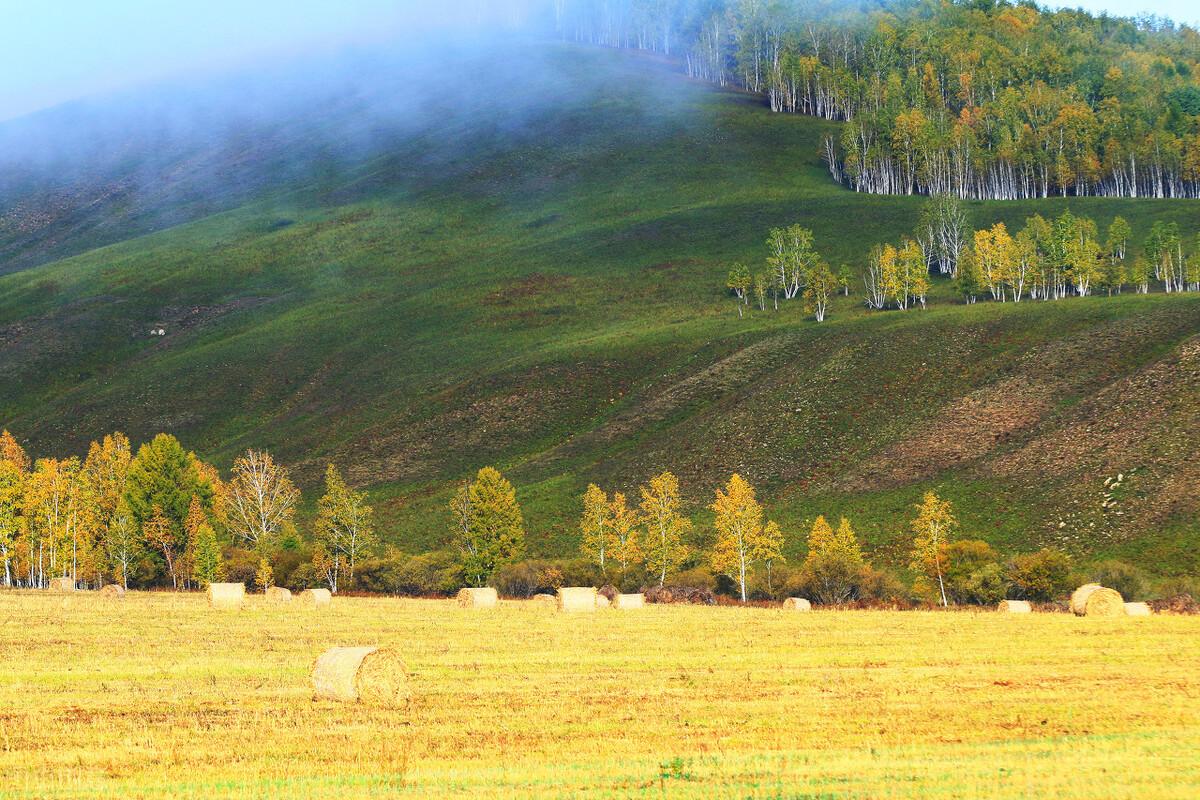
{"points": [[625, 546], [664, 526], [12, 452], [344, 522], [820, 288], [160, 534], [12, 522], [995, 254], [488, 525], [264, 576], [833, 563], [596, 527], [739, 524], [262, 499], [791, 255], [932, 527], [122, 544]]}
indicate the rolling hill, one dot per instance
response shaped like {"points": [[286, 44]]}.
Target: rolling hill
{"points": [[522, 263]]}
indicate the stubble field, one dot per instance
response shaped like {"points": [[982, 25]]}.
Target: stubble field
{"points": [[157, 695]]}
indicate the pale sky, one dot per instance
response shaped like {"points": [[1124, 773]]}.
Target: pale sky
{"points": [[52, 51]]}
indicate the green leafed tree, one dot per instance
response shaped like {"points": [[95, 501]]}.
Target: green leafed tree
{"points": [[488, 525]]}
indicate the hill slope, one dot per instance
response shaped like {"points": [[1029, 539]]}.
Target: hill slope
{"points": [[534, 279]]}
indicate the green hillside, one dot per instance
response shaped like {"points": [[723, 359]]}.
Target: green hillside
{"points": [[543, 290]]}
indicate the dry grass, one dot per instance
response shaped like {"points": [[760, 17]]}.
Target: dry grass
{"points": [[158, 697]]}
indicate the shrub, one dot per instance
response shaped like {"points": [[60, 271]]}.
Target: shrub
{"points": [[1125, 578], [305, 576], [1177, 586], [880, 586], [527, 578], [972, 573], [241, 566], [436, 572], [1042, 576]]}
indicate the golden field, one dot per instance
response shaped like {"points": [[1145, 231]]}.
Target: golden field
{"points": [[157, 695]]}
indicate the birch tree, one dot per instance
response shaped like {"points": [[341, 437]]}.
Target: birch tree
{"points": [[596, 527], [626, 546], [933, 527], [262, 499], [739, 527], [344, 521], [664, 526]]}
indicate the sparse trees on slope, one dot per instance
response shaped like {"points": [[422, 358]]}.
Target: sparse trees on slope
{"points": [[489, 527]]}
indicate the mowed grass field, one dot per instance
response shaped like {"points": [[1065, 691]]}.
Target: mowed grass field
{"points": [[159, 696]]}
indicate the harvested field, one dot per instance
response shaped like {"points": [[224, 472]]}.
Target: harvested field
{"points": [[159, 697]]}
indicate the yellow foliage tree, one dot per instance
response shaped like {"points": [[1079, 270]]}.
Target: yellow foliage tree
{"points": [[834, 561], [933, 526], [664, 525], [625, 548], [596, 526], [741, 540]]}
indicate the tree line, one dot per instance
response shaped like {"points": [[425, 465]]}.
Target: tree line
{"points": [[655, 544], [163, 517], [983, 100], [1047, 259]]}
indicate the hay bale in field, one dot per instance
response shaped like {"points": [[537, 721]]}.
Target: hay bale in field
{"points": [[316, 597], [1093, 600], [577, 598], [545, 599], [372, 676], [61, 585], [112, 590], [602, 601], [797, 604], [277, 594], [485, 597], [226, 595], [1015, 607], [627, 601], [1137, 610]]}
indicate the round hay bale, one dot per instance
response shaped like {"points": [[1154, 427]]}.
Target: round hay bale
{"points": [[545, 599], [1015, 607], [112, 590], [797, 604], [277, 594], [485, 597], [577, 598], [61, 585], [372, 676], [1138, 610], [602, 601], [226, 595], [1093, 600], [316, 597], [627, 601]]}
